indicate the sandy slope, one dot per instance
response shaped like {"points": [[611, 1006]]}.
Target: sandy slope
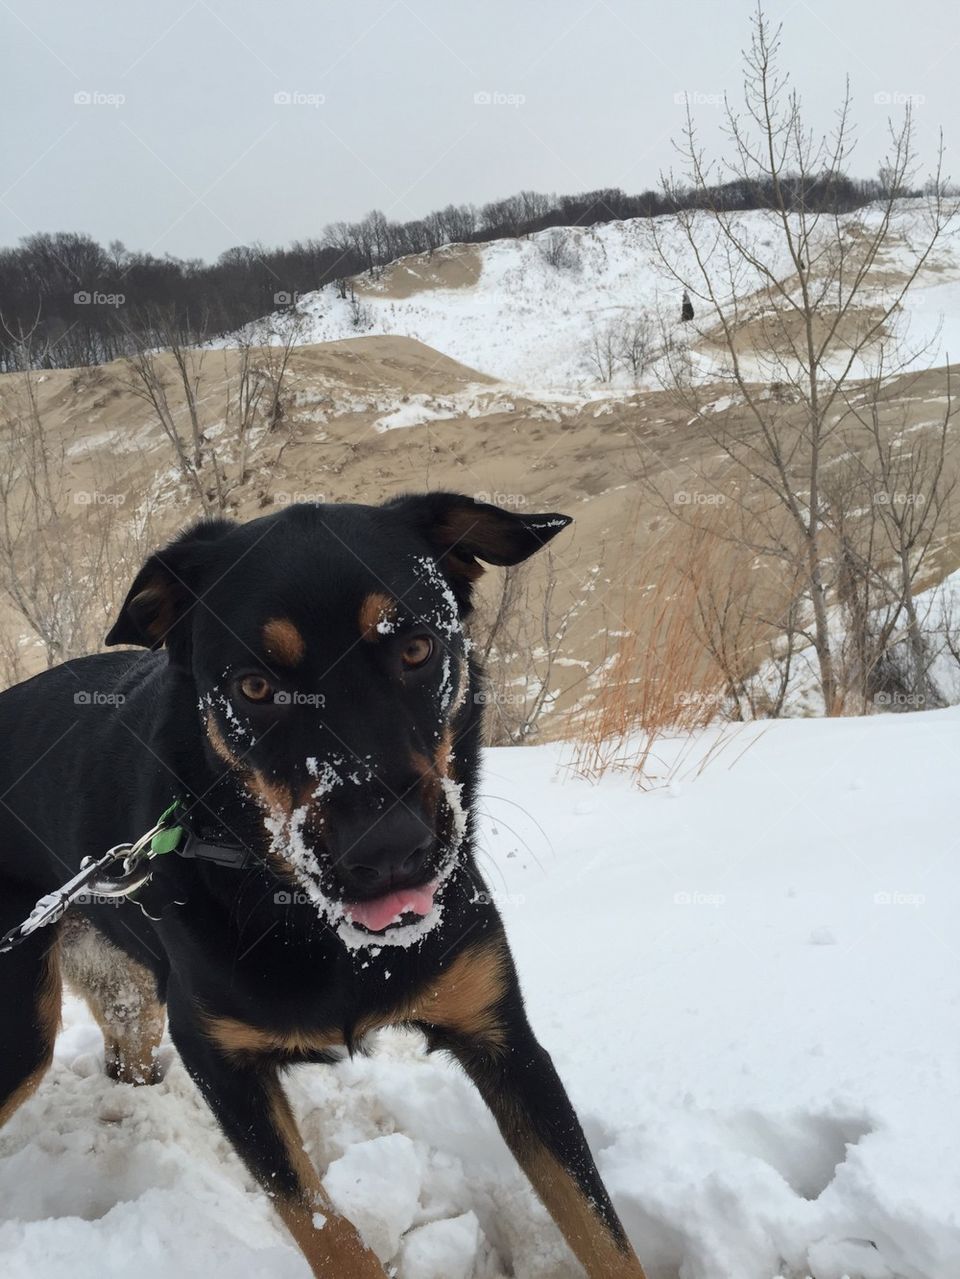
{"points": [[505, 308], [749, 981], [366, 418]]}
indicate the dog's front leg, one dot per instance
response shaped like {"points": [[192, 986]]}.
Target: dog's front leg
{"points": [[248, 1101], [478, 1016]]}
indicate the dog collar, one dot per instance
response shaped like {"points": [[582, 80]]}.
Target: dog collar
{"points": [[196, 842], [232, 855]]}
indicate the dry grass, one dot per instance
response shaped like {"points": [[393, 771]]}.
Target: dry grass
{"points": [[658, 679]]}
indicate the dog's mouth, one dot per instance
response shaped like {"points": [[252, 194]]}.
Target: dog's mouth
{"points": [[399, 906], [401, 915]]}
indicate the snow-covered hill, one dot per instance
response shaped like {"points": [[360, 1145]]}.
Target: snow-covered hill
{"points": [[517, 316], [749, 980]]}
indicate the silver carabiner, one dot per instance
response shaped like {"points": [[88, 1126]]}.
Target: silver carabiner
{"points": [[52, 905], [90, 880], [136, 871]]}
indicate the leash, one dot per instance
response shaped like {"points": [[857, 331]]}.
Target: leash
{"points": [[134, 867]]}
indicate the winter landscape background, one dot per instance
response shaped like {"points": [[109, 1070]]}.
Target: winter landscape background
{"points": [[717, 810]]}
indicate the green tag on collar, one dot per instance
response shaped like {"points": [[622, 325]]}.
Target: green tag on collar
{"points": [[168, 839]]}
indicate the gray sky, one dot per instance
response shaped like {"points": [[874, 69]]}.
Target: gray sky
{"points": [[198, 156]]}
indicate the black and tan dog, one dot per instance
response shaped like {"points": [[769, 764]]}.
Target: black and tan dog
{"points": [[314, 713]]}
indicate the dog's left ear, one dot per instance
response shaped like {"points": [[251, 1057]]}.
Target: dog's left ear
{"points": [[166, 587], [464, 531]]}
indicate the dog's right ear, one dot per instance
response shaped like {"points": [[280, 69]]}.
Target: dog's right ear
{"points": [[166, 587]]}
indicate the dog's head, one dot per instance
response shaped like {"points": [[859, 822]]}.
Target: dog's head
{"points": [[326, 647]]}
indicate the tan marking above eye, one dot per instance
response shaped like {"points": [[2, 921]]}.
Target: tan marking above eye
{"points": [[283, 642], [417, 651], [256, 688], [378, 616]]}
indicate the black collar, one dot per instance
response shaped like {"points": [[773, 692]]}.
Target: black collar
{"points": [[209, 841]]}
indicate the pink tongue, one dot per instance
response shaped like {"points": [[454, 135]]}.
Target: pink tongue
{"points": [[381, 912]]}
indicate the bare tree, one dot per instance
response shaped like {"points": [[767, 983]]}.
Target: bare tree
{"points": [[519, 635], [603, 351], [151, 380], [213, 456], [63, 549], [637, 344], [793, 304], [625, 343], [885, 527]]}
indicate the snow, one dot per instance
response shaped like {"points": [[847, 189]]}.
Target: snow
{"points": [[748, 980], [932, 317], [378, 1185], [530, 324], [938, 609], [418, 411]]}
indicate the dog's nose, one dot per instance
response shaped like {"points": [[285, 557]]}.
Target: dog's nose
{"points": [[388, 851]]}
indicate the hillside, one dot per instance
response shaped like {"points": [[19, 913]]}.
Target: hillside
{"points": [[364, 419], [525, 310], [478, 383]]}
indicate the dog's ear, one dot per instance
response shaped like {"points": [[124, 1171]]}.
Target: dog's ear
{"points": [[464, 531], [166, 587]]}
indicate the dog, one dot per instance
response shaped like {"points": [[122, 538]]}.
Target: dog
{"points": [[308, 702]]}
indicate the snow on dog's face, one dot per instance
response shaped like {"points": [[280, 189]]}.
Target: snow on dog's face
{"points": [[327, 650]]}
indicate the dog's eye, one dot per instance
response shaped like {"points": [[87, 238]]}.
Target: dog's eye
{"points": [[417, 651], [255, 688]]}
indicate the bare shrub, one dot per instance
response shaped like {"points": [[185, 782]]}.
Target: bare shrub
{"points": [[361, 316], [637, 344], [63, 549], [603, 351], [656, 678], [626, 343], [519, 634], [559, 250], [213, 458], [745, 618]]}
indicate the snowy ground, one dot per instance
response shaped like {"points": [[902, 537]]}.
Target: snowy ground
{"points": [[750, 981], [531, 325], [938, 609]]}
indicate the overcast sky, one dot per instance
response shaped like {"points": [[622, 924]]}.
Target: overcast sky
{"points": [[187, 145]]}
